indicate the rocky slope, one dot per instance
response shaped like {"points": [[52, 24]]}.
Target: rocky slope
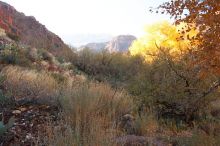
{"points": [[29, 31], [117, 44]]}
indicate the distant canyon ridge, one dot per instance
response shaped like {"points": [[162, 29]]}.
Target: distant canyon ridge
{"points": [[29, 32], [119, 43]]}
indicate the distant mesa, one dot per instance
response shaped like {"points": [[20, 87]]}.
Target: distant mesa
{"points": [[29, 31], [120, 43]]}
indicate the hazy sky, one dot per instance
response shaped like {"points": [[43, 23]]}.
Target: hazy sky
{"points": [[70, 17]]}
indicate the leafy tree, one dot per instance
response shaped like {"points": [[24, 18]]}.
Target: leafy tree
{"points": [[179, 88], [205, 14]]}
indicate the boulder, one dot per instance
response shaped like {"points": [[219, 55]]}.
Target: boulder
{"points": [[126, 124]]}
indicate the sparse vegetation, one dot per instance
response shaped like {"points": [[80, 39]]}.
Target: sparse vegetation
{"points": [[157, 93]]}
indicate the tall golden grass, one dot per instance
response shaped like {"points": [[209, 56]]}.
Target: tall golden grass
{"points": [[30, 84], [90, 111]]}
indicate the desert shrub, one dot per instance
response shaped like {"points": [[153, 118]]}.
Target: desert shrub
{"points": [[61, 60], [30, 84], [174, 88], [33, 54], [47, 56], [9, 54], [116, 68], [13, 37], [12, 54]]}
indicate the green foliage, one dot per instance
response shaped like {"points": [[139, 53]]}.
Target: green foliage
{"points": [[174, 89], [59, 78], [2, 128], [116, 68], [61, 60], [170, 87], [7, 126], [9, 54], [12, 54], [3, 99]]}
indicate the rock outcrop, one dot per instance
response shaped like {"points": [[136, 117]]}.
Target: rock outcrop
{"points": [[29, 31], [120, 43]]}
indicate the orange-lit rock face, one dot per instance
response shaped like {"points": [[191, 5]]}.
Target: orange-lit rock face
{"points": [[29, 31], [6, 18]]}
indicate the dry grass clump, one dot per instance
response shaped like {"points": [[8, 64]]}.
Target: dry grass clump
{"points": [[90, 115], [98, 98], [30, 84], [198, 138], [146, 125]]}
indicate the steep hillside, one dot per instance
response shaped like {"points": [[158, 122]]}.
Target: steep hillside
{"points": [[29, 31]]}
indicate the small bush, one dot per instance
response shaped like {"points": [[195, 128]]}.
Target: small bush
{"points": [[33, 54], [12, 54], [13, 37]]}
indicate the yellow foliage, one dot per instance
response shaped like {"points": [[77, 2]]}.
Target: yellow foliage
{"points": [[163, 35]]}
